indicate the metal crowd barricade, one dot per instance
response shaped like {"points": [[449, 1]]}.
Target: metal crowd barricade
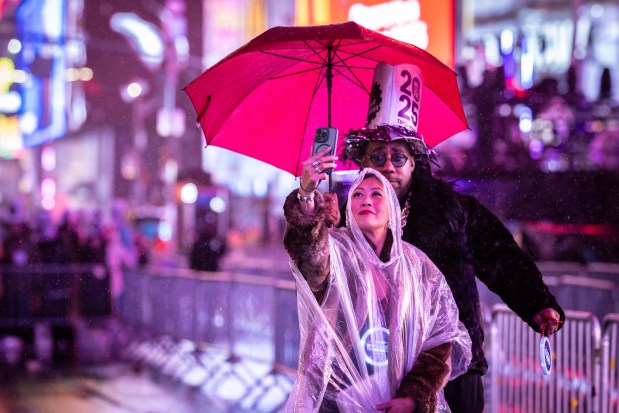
{"points": [[233, 327], [518, 384], [609, 391], [286, 346], [588, 287], [136, 306], [229, 327], [591, 288], [603, 270]]}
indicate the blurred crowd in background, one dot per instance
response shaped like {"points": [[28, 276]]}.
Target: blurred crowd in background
{"points": [[549, 128]]}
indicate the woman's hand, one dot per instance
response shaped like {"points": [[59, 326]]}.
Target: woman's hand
{"points": [[398, 405], [313, 168]]}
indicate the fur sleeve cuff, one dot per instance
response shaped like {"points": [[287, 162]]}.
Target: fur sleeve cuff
{"points": [[427, 377], [296, 218], [306, 241]]}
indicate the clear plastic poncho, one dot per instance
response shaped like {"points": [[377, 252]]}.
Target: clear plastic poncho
{"points": [[374, 319]]}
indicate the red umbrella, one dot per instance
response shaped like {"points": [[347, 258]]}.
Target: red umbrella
{"points": [[267, 98]]}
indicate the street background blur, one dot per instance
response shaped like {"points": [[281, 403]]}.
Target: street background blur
{"points": [[107, 191], [93, 118]]}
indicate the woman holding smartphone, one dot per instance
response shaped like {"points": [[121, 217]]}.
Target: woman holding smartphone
{"points": [[379, 326]]}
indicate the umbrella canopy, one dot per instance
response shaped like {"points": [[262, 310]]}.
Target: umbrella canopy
{"points": [[267, 98]]}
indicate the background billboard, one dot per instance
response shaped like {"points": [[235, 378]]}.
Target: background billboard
{"points": [[428, 24]]}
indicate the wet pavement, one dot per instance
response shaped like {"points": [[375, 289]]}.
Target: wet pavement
{"points": [[113, 388], [154, 376]]}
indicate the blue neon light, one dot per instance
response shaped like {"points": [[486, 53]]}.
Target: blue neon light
{"points": [[43, 56]]}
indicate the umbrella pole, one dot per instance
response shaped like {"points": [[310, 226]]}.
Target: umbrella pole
{"points": [[329, 78]]}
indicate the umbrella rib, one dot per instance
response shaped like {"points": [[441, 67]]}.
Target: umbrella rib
{"points": [[324, 61], [338, 48], [354, 79], [298, 59], [320, 79], [306, 60], [339, 51], [335, 66], [360, 54], [320, 65]]}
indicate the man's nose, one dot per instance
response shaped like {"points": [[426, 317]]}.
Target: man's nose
{"points": [[388, 166]]}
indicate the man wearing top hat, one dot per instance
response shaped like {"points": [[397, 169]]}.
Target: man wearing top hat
{"points": [[461, 236]]}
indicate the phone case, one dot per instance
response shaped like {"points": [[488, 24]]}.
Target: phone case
{"points": [[325, 137]]}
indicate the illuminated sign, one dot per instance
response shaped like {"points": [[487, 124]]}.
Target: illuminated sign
{"points": [[398, 19], [10, 136], [10, 104], [10, 100], [44, 97], [428, 24], [375, 345], [7, 67]]}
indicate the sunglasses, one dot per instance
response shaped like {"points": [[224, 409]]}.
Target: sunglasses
{"points": [[398, 160]]}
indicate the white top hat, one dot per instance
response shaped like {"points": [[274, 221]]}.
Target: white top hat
{"points": [[395, 98], [393, 111]]}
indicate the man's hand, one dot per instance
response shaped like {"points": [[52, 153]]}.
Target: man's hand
{"points": [[332, 209], [399, 405], [548, 321]]}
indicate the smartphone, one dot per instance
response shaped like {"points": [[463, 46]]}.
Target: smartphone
{"points": [[325, 137]]}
